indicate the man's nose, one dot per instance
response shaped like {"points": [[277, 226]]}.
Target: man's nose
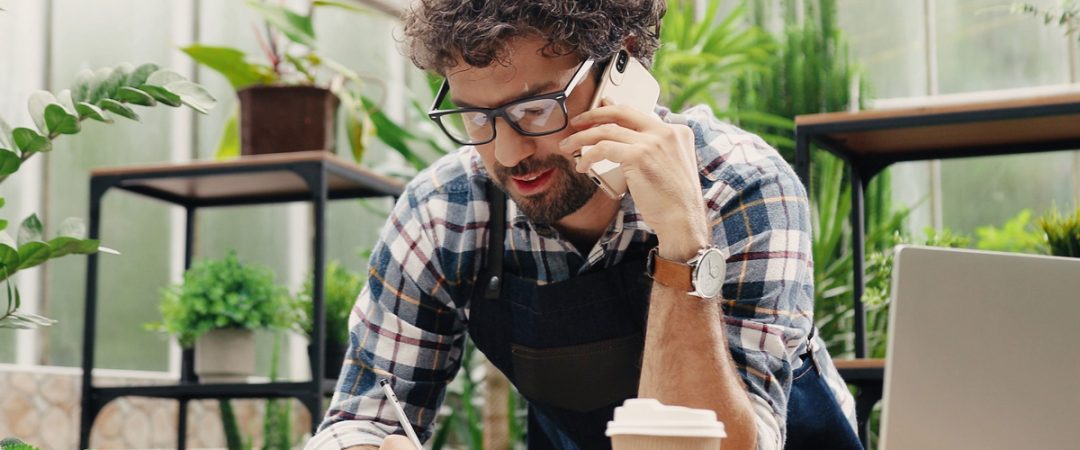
{"points": [[510, 146]]}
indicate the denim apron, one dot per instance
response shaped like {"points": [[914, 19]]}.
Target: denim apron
{"points": [[573, 349]]}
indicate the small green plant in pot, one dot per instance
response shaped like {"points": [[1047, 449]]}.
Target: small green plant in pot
{"points": [[217, 308], [1062, 232], [342, 288]]}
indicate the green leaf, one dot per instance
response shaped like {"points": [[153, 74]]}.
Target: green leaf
{"points": [[118, 108], [33, 253], [93, 112], [30, 230], [296, 27], [3, 224], [193, 95], [135, 96], [229, 144], [359, 129], [60, 121], [9, 163], [342, 5], [139, 75], [80, 89], [117, 78], [9, 260], [66, 245], [36, 106], [73, 227], [29, 141], [88, 246], [162, 95], [101, 87], [25, 321], [230, 63], [162, 77], [5, 135], [65, 99]]}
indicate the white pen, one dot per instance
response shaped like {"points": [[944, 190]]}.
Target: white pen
{"points": [[400, 413]]}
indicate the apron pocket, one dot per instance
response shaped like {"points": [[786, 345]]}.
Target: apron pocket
{"points": [[580, 377]]}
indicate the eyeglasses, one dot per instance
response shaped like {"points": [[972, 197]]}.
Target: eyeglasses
{"points": [[534, 116]]}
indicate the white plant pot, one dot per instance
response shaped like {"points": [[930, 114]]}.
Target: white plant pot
{"points": [[225, 356]]}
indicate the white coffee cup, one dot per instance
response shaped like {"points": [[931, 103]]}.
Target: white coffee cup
{"points": [[645, 423]]}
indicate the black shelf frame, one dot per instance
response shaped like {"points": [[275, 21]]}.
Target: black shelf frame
{"points": [[315, 174], [863, 167]]}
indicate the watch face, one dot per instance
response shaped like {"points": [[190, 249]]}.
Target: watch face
{"points": [[709, 273]]}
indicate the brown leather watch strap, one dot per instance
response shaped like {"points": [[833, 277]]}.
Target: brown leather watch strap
{"points": [[673, 274]]}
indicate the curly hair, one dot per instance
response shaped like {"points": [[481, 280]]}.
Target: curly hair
{"points": [[440, 34]]}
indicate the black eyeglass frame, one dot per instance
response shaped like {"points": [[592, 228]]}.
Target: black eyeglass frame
{"points": [[559, 96]]}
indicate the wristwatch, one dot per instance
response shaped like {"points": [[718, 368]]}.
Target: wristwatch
{"points": [[702, 276]]}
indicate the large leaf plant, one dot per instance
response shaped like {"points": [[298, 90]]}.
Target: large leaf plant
{"points": [[291, 58], [96, 95]]}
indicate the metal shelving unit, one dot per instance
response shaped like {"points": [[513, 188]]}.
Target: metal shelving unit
{"points": [[315, 177], [871, 141]]}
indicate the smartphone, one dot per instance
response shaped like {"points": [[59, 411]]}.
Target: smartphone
{"points": [[627, 82]]}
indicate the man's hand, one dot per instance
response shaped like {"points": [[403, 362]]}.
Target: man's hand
{"points": [[660, 166], [392, 442]]}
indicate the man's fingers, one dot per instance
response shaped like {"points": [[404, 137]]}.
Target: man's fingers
{"points": [[623, 115], [609, 150], [606, 132], [397, 442]]}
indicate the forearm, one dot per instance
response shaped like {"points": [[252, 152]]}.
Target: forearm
{"points": [[687, 362]]}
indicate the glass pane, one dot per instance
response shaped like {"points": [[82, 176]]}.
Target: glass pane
{"points": [[982, 46], [889, 40], [137, 227], [989, 191], [911, 189], [20, 74]]}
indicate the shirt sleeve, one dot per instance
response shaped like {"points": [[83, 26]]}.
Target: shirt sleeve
{"points": [[763, 227], [405, 327]]}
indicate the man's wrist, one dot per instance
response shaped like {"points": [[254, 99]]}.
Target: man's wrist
{"points": [[682, 248]]}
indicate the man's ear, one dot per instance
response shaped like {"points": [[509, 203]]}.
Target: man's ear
{"points": [[631, 44]]}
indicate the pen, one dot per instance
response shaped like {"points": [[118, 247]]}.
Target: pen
{"points": [[400, 413]]}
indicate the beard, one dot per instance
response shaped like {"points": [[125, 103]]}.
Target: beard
{"points": [[567, 192]]}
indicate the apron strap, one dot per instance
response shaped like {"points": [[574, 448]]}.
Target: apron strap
{"points": [[492, 278]]}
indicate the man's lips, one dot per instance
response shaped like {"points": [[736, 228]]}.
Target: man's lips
{"points": [[530, 177], [533, 182]]}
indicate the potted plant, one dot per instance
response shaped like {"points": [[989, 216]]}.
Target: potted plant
{"points": [[1062, 232], [290, 102], [342, 288], [217, 308], [98, 95]]}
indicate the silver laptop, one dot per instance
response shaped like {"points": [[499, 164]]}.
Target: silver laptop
{"points": [[983, 352]]}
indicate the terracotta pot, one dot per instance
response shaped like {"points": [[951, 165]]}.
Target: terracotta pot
{"points": [[278, 119], [225, 356]]}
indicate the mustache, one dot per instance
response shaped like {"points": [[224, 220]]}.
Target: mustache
{"points": [[532, 165]]}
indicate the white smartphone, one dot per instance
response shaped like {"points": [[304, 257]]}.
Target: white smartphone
{"points": [[626, 82]]}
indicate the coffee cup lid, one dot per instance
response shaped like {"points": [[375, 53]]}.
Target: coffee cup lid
{"points": [[647, 416]]}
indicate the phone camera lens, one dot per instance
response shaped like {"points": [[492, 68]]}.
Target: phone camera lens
{"points": [[620, 62]]}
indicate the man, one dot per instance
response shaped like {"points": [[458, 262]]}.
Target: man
{"points": [[555, 286]]}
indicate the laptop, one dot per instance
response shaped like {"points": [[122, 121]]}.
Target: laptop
{"points": [[983, 351]]}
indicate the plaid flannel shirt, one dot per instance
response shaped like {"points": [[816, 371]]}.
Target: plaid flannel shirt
{"points": [[409, 323]]}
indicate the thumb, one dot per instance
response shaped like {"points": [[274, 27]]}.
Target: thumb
{"points": [[397, 442]]}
